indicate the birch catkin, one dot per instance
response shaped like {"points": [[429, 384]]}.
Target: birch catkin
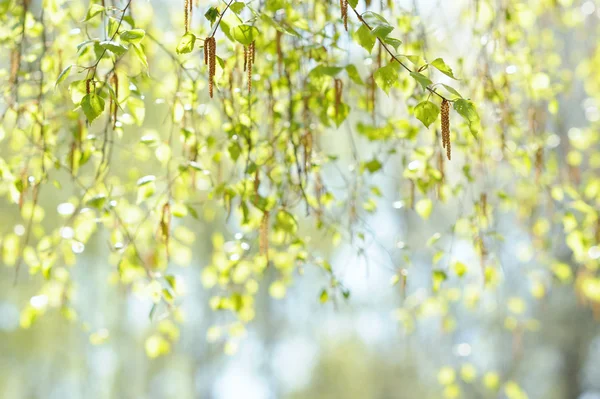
{"points": [[249, 56], [210, 50], [339, 85], [344, 7], [186, 15], [446, 128]]}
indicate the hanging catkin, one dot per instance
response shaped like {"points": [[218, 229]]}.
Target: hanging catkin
{"points": [[210, 49], [249, 55], [446, 128], [206, 51], [344, 8], [339, 86], [186, 15], [15, 59]]}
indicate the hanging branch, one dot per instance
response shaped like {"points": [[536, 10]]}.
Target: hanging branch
{"points": [[394, 57]]}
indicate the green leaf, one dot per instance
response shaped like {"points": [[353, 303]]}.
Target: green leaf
{"points": [[186, 44], [353, 74], [427, 112], [439, 276], [237, 7], [212, 14], [142, 181], [63, 75], [245, 34], [452, 90], [97, 201], [138, 50], [285, 221], [113, 26], [386, 77], [324, 296], [382, 30], [93, 106], [467, 110], [133, 36], [114, 47], [373, 165], [460, 268], [395, 43], [441, 66], [424, 207], [364, 38], [94, 10], [422, 79], [374, 19], [353, 3]]}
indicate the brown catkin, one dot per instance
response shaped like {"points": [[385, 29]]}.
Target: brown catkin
{"points": [[344, 7], [446, 127], [212, 49], [206, 51], [15, 59], [186, 15], [339, 86], [88, 86], [251, 53], [245, 58]]}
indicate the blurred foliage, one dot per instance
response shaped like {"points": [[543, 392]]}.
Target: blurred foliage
{"points": [[286, 126]]}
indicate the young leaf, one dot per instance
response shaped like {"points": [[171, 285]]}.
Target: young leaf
{"points": [[138, 50], [114, 47], [63, 75], [424, 207], [353, 74], [382, 30], [427, 112], [386, 77], [245, 34], [237, 7], [94, 10], [422, 79], [364, 37], [467, 110], [92, 105], [395, 43], [452, 90], [211, 15], [439, 276], [441, 66], [133, 36], [373, 165], [186, 44]]}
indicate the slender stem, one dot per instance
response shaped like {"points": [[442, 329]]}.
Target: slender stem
{"points": [[394, 57], [220, 18], [94, 67]]}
